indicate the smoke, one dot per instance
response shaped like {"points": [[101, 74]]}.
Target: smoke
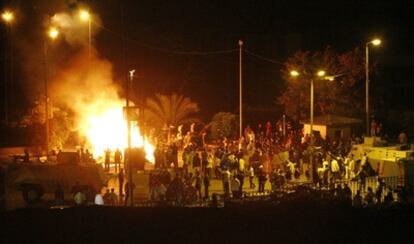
{"points": [[83, 85], [74, 29]]}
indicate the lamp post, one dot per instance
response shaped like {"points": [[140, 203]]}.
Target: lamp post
{"points": [[86, 16], [240, 90], [128, 156], [8, 17], [321, 75], [52, 34], [374, 42]]}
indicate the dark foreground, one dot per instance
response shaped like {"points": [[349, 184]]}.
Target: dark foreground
{"points": [[298, 223]]}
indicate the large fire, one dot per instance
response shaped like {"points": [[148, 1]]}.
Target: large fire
{"points": [[106, 128], [86, 85]]}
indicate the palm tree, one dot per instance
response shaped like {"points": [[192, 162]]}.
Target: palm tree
{"points": [[170, 110]]}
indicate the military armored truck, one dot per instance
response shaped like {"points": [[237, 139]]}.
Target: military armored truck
{"points": [[26, 183], [391, 161]]}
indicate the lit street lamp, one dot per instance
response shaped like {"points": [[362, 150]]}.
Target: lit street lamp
{"points": [[321, 75], [52, 33], [8, 17], [128, 160], [374, 42], [240, 90], [86, 16]]}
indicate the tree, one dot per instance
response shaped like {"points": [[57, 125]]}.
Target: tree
{"points": [[59, 122], [224, 124], [343, 96], [170, 110]]}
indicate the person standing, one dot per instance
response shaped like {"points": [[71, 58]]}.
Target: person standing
{"points": [[335, 170], [117, 159], [226, 182], [206, 183], [99, 199], [114, 197], [251, 176], [107, 159], [262, 179], [197, 184], [127, 196], [235, 187], [196, 162], [121, 178]]}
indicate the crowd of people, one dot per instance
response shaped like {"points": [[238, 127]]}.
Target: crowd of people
{"points": [[185, 167]]}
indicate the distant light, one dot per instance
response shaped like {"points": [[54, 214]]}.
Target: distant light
{"points": [[330, 78], [7, 16], [84, 15], [376, 42], [53, 33], [294, 73], [321, 73]]}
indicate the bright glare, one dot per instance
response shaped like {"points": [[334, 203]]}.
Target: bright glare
{"points": [[106, 128], [321, 73], [84, 15], [53, 32], [376, 42], [294, 73], [7, 16]]}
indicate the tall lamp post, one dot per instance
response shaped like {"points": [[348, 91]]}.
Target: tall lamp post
{"points": [[8, 17], [240, 89], [128, 156], [320, 75], [86, 16], [374, 42], [52, 34]]}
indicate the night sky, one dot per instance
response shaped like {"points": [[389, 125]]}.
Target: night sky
{"points": [[168, 43]]}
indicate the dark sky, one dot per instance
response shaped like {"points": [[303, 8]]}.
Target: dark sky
{"points": [[146, 36]]}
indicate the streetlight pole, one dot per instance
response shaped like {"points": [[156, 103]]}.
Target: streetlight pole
{"points": [[311, 129], [46, 98], [320, 74], [8, 18], [367, 89], [128, 155], [240, 90], [375, 42], [90, 40], [53, 33], [84, 15]]}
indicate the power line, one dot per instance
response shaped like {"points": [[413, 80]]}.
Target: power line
{"points": [[165, 50], [263, 58]]}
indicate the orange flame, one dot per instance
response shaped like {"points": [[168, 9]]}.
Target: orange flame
{"points": [[106, 128]]}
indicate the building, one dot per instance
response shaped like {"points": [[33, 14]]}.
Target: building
{"points": [[332, 125]]}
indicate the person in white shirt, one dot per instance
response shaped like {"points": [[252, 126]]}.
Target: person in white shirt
{"points": [[335, 169], [99, 199], [235, 187]]}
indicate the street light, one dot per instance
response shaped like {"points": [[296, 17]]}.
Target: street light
{"points": [[8, 17], [84, 15], [52, 33], [240, 90], [128, 160], [321, 75], [374, 42]]}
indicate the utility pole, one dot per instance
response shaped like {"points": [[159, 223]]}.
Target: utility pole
{"points": [[311, 166], [128, 155], [46, 81], [240, 90]]}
